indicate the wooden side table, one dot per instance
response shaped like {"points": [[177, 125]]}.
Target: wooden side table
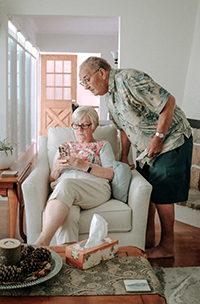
{"points": [[10, 187]]}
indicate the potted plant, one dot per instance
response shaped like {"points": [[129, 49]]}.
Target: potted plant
{"points": [[6, 154]]}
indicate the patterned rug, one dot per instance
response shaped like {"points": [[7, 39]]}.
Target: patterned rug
{"points": [[181, 285], [106, 278]]}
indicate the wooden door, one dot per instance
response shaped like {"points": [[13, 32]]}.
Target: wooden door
{"points": [[58, 90]]}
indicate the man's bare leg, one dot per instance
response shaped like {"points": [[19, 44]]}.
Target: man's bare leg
{"points": [[165, 249], [150, 232]]}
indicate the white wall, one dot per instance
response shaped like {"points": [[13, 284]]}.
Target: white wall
{"points": [[158, 40], [191, 101], [155, 35]]}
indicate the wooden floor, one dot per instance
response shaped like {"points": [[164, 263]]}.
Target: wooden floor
{"points": [[187, 246]]}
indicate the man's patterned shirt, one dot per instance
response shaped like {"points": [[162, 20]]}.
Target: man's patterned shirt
{"points": [[134, 102]]}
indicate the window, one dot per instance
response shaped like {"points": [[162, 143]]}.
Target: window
{"points": [[21, 106]]}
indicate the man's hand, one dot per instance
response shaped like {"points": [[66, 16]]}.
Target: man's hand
{"points": [[164, 121], [155, 146]]}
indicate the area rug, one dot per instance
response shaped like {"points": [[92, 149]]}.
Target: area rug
{"points": [[181, 285], [106, 278]]}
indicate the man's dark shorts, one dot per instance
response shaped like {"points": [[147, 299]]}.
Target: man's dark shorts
{"points": [[170, 174]]}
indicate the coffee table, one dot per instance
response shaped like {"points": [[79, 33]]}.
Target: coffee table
{"points": [[115, 299]]}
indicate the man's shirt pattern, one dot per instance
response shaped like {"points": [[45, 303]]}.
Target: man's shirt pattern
{"points": [[134, 101]]}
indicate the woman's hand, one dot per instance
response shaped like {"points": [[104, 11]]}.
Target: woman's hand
{"points": [[77, 163], [98, 171], [60, 164], [124, 159], [81, 164]]}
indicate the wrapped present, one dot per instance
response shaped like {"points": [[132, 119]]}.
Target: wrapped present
{"points": [[85, 258]]}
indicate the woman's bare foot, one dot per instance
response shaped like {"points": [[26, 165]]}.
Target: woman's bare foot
{"points": [[159, 252]]}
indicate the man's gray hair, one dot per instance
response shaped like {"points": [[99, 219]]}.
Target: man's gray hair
{"points": [[83, 111], [96, 63]]}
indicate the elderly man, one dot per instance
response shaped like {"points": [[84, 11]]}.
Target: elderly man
{"points": [[149, 119]]}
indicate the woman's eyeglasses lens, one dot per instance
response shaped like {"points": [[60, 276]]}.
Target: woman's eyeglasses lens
{"points": [[82, 126]]}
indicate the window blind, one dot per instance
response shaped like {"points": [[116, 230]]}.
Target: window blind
{"points": [[22, 88]]}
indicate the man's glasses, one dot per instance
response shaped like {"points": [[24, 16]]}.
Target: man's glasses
{"points": [[82, 126], [86, 81]]}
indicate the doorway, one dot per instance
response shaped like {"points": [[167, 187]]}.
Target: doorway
{"points": [[58, 90]]}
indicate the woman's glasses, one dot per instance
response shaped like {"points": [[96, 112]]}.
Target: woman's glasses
{"points": [[82, 126]]}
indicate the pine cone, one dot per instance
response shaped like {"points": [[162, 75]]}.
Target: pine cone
{"points": [[32, 260], [10, 274], [35, 261], [42, 254], [27, 251], [30, 265]]}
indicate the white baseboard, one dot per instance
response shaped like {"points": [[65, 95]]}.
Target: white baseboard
{"points": [[187, 215]]}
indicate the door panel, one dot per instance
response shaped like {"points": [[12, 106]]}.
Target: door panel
{"points": [[58, 90]]}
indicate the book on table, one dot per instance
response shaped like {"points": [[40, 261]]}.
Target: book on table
{"points": [[136, 285], [9, 173]]}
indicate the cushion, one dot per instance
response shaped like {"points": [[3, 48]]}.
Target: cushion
{"points": [[117, 214], [59, 135], [121, 181], [109, 133]]}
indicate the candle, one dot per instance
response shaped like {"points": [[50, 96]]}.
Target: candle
{"points": [[10, 252]]}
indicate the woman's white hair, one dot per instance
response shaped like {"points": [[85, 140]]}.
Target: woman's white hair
{"points": [[83, 111]]}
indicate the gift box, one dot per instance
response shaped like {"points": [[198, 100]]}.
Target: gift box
{"points": [[84, 258]]}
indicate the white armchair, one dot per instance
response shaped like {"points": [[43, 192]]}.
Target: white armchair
{"points": [[126, 222]]}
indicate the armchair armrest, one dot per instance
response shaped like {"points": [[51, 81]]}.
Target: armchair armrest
{"points": [[35, 192], [139, 198]]}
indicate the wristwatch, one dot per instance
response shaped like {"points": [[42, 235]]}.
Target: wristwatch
{"points": [[89, 168], [161, 135]]}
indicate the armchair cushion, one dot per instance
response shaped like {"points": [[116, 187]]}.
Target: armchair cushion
{"points": [[121, 181], [108, 133], [116, 213]]}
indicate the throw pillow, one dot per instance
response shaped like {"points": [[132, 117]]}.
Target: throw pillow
{"points": [[121, 181]]}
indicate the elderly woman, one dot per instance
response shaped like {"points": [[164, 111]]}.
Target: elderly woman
{"points": [[80, 180]]}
